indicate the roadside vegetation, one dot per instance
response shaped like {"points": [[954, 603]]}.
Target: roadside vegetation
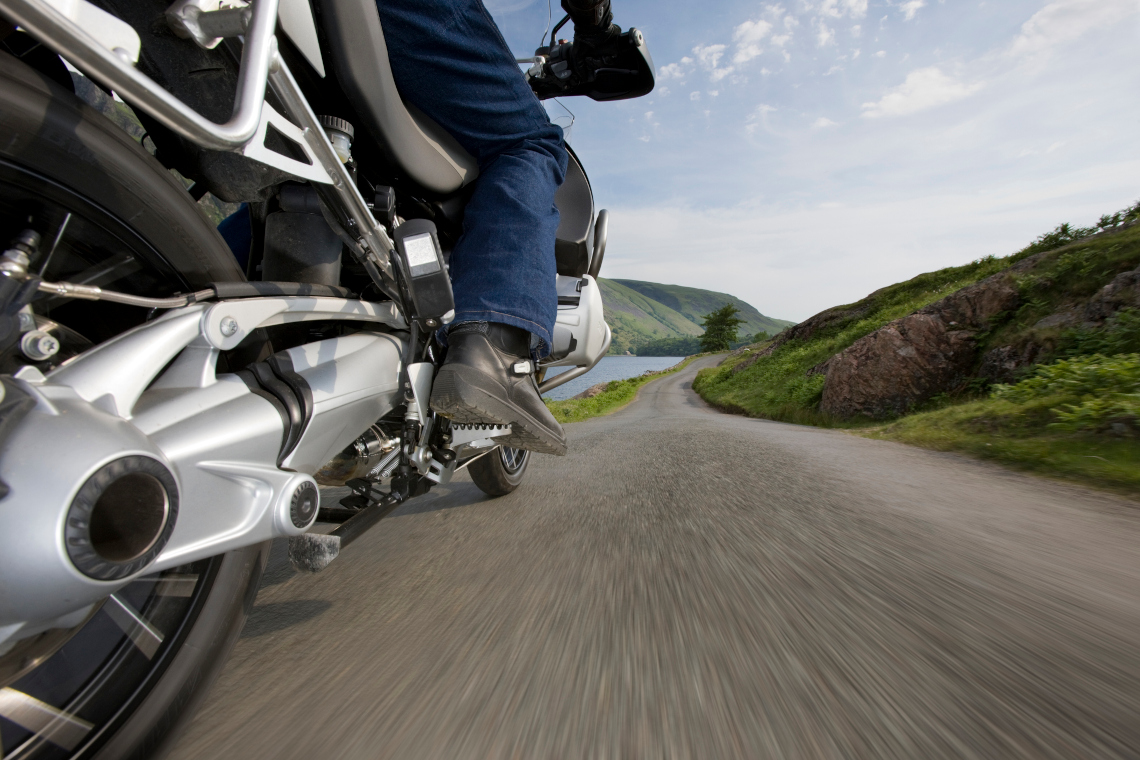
{"points": [[616, 394], [777, 385], [1073, 411], [1073, 417]]}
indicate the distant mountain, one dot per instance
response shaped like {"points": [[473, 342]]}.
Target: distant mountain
{"points": [[639, 312], [694, 304]]}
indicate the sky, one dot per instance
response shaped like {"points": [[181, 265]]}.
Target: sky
{"points": [[800, 155]]}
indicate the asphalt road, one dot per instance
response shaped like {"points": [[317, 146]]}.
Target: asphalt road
{"points": [[695, 585]]}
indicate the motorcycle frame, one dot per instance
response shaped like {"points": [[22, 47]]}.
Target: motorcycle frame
{"points": [[261, 66]]}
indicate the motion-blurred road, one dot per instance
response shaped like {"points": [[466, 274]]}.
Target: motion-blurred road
{"points": [[696, 585]]}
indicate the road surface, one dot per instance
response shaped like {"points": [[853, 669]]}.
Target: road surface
{"points": [[687, 584]]}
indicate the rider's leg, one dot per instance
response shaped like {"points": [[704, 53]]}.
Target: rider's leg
{"points": [[451, 62]]}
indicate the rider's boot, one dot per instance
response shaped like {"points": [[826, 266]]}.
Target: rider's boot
{"points": [[488, 378]]}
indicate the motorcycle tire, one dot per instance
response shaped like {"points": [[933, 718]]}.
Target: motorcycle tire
{"points": [[113, 690], [501, 471]]}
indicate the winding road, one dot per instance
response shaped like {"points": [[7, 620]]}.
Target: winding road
{"points": [[688, 584]]}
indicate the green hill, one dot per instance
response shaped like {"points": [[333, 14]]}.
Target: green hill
{"points": [[637, 312], [694, 304], [1031, 360]]}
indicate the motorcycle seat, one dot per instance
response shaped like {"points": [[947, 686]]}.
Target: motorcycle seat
{"points": [[425, 151]]}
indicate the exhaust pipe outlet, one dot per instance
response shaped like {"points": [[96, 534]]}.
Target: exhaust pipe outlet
{"points": [[121, 518]]}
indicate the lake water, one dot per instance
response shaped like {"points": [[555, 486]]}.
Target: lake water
{"points": [[609, 368]]}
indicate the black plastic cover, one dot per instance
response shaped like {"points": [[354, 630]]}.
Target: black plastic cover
{"points": [[421, 260]]}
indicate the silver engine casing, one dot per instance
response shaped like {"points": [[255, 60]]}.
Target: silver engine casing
{"points": [[153, 393]]}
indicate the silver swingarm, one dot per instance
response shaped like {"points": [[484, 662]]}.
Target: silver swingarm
{"points": [[137, 456]]}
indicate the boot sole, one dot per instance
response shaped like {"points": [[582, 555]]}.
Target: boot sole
{"points": [[457, 394]]}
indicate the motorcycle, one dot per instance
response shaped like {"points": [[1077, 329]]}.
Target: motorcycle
{"points": [[166, 411]]}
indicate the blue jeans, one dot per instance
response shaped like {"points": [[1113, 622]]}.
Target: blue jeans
{"points": [[450, 61]]}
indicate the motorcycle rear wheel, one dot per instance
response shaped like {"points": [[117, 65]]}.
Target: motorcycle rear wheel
{"points": [[501, 471], [115, 689]]}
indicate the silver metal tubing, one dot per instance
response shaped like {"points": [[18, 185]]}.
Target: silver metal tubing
{"points": [[92, 293], [566, 377], [374, 239], [65, 37]]}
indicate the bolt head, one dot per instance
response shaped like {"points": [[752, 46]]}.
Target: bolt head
{"points": [[38, 345], [228, 326]]}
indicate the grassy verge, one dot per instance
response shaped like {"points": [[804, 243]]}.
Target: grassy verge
{"points": [[1076, 418], [1091, 459], [617, 394]]}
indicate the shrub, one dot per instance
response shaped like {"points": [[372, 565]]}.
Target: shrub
{"points": [[1080, 376]]}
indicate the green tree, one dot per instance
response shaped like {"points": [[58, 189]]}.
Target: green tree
{"points": [[720, 328]]}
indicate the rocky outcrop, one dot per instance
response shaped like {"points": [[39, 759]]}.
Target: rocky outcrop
{"points": [[1008, 364], [908, 361], [1122, 293], [593, 390]]}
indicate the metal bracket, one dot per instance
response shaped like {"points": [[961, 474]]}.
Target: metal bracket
{"points": [[420, 375], [257, 150], [440, 472], [185, 18], [113, 33]]}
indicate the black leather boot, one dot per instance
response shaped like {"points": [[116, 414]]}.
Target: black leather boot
{"points": [[488, 378]]}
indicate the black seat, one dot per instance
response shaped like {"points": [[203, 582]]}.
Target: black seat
{"points": [[424, 150]]}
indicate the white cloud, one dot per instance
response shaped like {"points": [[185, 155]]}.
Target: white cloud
{"points": [[923, 88], [662, 91], [823, 122], [825, 35], [1066, 20], [694, 95], [747, 37], [841, 8], [881, 54], [758, 118], [714, 93], [911, 7], [856, 30], [708, 57]]}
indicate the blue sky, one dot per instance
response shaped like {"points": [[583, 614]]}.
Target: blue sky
{"points": [[802, 154]]}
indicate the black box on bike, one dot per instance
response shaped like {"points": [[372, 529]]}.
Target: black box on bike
{"points": [[421, 260]]}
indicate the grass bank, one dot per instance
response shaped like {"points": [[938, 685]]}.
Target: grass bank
{"points": [[1075, 418], [617, 394]]}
